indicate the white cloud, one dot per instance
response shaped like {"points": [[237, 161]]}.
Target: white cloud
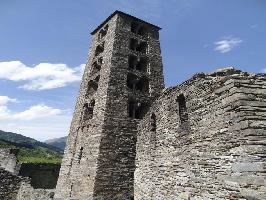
{"points": [[263, 70], [227, 44], [37, 111], [43, 76], [34, 112], [38, 121], [5, 99], [40, 129]]}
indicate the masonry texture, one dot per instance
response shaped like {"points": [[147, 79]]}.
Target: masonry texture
{"points": [[15, 187], [99, 160], [208, 142], [132, 139], [42, 176]]}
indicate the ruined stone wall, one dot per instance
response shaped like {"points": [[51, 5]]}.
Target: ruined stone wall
{"points": [[27, 192], [8, 160], [41, 175], [9, 167], [211, 147], [9, 185]]}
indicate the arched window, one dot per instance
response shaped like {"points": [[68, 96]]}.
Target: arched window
{"points": [[182, 108]]}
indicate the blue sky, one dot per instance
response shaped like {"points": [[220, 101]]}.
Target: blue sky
{"points": [[44, 45]]}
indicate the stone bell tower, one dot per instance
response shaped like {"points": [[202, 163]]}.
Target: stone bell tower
{"points": [[122, 77]]}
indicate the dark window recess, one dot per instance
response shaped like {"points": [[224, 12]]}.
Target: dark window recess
{"points": [[134, 27], [97, 79], [143, 85], [132, 61], [153, 122], [142, 30], [133, 44], [139, 47], [131, 81], [131, 108], [96, 67], [99, 49], [142, 64], [103, 32], [92, 88], [71, 189], [142, 47], [138, 29], [142, 109], [87, 111], [182, 108], [139, 64], [100, 61], [80, 154], [137, 110], [91, 106], [137, 84]]}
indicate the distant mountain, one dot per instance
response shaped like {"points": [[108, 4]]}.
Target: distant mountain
{"points": [[57, 142], [26, 141], [30, 150]]}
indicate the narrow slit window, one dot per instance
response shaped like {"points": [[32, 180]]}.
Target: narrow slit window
{"points": [[132, 61], [133, 44], [182, 108], [80, 154], [131, 108], [153, 122]]}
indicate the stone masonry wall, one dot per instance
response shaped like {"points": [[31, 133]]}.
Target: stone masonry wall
{"points": [[100, 153], [9, 185], [217, 151], [27, 192], [42, 176], [8, 160], [75, 175]]}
